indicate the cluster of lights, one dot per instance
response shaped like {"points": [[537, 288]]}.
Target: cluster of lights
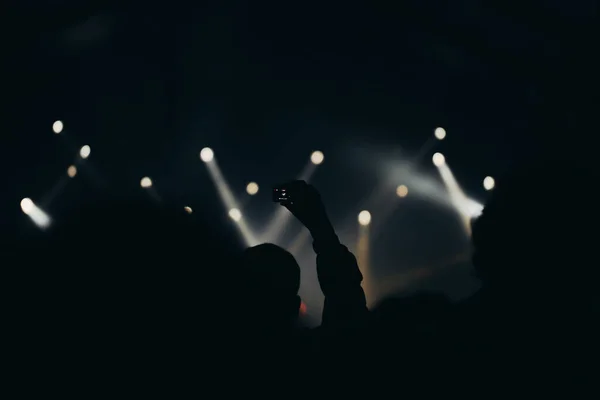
{"points": [[317, 157], [364, 217], [207, 155], [58, 127], [84, 152], [438, 160]]}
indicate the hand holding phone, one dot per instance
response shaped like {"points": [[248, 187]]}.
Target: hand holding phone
{"points": [[281, 194], [304, 201]]}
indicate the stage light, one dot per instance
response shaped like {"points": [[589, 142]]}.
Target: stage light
{"points": [[85, 151], [27, 205], [438, 159], [252, 188], [72, 171], [146, 182], [489, 183], [57, 127], [364, 218], [402, 191], [472, 208], [317, 157], [36, 214], [207, 154], [440, 133], [188, 209], [235, 214]]}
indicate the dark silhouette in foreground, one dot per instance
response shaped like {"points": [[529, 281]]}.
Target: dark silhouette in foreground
{"points": [[538, 306], [345, 307], [273, 284], [147, 298], [129, 297]]}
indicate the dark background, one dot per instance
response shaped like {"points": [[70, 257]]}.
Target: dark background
{"points": [[265, 83]]}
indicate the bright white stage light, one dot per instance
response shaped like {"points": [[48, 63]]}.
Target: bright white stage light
{"points": [[472, 208], [85, 151], [317, 157], [36, 214], [146, 182], [235, 214], [364, 218], [402, 191], [188, 209], [57, 127], [440, 133], [438, 159], [27, 205], [72, 171], [206, 154], [489, 183], [252, 188]]}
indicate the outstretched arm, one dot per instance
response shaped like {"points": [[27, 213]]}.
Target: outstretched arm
{"points": [[339, 276]]}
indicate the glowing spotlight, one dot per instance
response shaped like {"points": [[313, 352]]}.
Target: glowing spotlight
{"points": [[85, 151], [438, 159], [146, 182], [252, 188], [188, 209], [489, 183], [72, 171], [206, 154], [27, 205], [235, 214], [317, 157], [36, 214], [57, 127], [440, 133], [472, 208], [402, 191], [364, 218]]}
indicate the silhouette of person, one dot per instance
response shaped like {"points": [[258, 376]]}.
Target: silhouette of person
{"points": [[532, 249], [126, 296], [273, 280], [338, 273], [530, 236]]}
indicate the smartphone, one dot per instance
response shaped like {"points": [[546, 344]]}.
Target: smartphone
{"points": [[281, 194]]}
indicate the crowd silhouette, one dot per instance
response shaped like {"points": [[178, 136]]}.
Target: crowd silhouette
{"points": [[133, 298]]}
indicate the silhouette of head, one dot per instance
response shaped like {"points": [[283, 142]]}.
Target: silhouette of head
{"points": [[273, 282], [536, 230]]}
